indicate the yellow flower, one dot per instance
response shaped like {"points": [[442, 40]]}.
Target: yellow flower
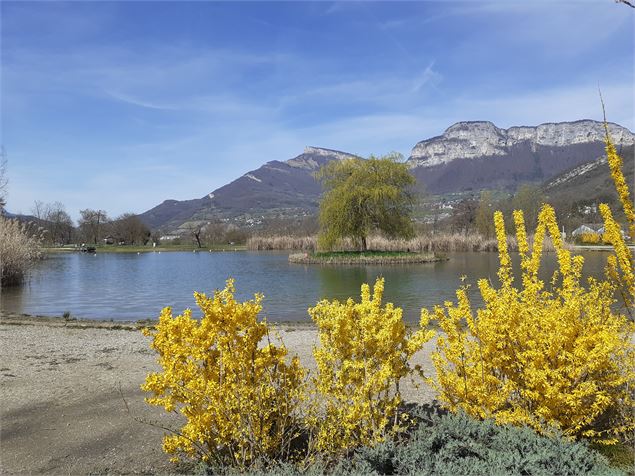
{"points": [[363, 354], [615, 164], [240, 398], [545, 358]]}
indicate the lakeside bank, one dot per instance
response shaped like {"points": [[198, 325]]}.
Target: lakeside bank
{"points": [[63, 385]]}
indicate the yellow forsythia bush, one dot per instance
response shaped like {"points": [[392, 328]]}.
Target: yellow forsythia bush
{"points": [[239, 395], [615, 164], [364, 352], [620, 268], [591, 238], [560, 356]]}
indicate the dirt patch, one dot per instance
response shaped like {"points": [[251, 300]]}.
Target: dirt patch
{"points": [[61, 390]]}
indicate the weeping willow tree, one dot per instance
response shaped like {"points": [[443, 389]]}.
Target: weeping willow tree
{"points": [[365, 196]]}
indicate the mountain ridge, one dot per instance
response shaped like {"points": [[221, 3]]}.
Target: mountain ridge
{"points": [[287, 186], [467, 157], [471, 139]]}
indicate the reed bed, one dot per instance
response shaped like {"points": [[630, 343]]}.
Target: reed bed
{"points": [[19, 248], [438, 242], [361, 258], [282, 242]]}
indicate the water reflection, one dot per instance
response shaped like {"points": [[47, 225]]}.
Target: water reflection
{"points": [[130, 286], [336, 283]]}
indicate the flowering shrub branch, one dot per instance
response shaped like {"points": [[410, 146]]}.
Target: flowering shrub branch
{"points": [[240, 398], [363, 354]]}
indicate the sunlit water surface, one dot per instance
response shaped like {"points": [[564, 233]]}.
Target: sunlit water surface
{"points": [[131, 286]]}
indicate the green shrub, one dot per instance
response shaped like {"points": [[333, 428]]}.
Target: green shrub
{"points": [[458, 445]]}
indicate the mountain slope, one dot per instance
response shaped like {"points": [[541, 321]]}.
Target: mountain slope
{"points": [[278, 188], [171, 211], [591, 181], [276, 184]]}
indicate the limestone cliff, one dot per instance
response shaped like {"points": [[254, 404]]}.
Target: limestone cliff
{"points": [[469, 140]]}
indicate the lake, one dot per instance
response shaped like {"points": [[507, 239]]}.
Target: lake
{"points": [[130, 286]]}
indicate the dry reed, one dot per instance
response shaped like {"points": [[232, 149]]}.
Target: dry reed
{"points": [[19, 248], [410, 258], [439, 242]]}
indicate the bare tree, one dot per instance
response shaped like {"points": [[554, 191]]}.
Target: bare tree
{"points": [[464, 215], [59, 223], [40, 210], [436, 211], [626, 2], [4, 179], [53, 218], [235, 235], [528, 198], [485, 215], [195, 229], [92, 224], [215, 232], [155, 236], [130, 229]]}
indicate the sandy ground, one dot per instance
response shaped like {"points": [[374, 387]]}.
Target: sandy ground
{"points": [[61, 387]]}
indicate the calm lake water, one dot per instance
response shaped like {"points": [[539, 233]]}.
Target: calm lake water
{"points": [[131, 286]]}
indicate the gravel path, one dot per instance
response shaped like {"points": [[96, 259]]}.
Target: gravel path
{"points": [[61, 387]]}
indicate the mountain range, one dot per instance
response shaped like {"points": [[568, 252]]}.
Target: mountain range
{"points": [[467, 157]]}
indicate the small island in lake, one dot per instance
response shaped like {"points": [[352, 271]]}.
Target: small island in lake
{"points": [[365, 257]]}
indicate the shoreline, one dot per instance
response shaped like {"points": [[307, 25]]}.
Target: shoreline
{"points": [[115, 249], [606, 248], [21, 319]]}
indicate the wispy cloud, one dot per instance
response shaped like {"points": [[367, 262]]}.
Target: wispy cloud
{"points": [[334, 7], [126, 98], [428, 77], [394, 23]]}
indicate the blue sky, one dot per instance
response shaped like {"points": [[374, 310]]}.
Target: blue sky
{"points": [[120, 105]]}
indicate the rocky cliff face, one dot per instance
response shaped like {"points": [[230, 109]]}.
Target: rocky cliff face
{"points": [[470, 140]]}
